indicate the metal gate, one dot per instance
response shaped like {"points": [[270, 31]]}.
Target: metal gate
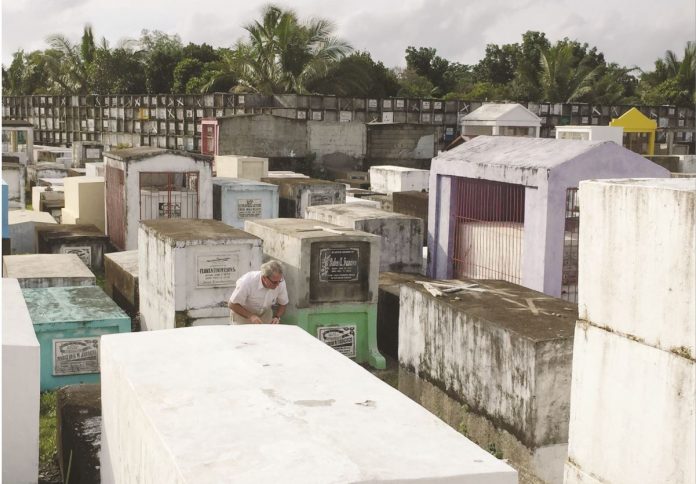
{"points": [[115, 207], [168, 195], [488, 229], [569, 277]]}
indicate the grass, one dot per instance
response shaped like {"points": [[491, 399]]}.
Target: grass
{"points": [[47, 429]]}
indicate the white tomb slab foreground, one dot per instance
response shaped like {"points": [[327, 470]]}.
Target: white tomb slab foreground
{"points": [[267, 404]]}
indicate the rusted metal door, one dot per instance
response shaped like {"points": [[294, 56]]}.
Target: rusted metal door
{"points": [[168, 195], [488, 229], [115, 207]]}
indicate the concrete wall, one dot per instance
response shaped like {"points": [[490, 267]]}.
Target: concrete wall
{"points": [[404, 144], [14, 175], [337, 146], [635, 358], [286, 395], [22, 225], [262, 135], [506, 359], [162, 163], [20, 388], [84, 201]]}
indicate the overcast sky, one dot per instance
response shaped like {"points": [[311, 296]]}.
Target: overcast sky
{"points": [[629, 32]]}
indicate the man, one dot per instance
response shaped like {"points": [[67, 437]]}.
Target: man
{"points": [[256, 293]]}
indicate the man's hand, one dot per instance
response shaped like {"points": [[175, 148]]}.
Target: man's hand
{"points": [[275, 320], [255, 319]]}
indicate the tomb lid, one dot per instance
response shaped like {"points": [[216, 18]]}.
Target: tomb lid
{"points": [[357, 211], [68, 231], [395, 168], [411, 194], [678, 184], [45, 265], [126, 260], [301, 228], [300, 181], [232, 182], [531, 314], [140, 153], [70, 304], [186, 230], [391, 282], [50, 165]]}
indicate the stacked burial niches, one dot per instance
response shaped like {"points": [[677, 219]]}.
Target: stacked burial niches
{"points": [[187, 270], [153, 183], [332, 277], [507, 208], [632, 412]]}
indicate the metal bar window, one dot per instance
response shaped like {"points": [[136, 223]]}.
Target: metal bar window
{"points": [[569, 276], [488, 230], [168, 195]]}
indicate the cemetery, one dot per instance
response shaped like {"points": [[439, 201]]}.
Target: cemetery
{"points": [[492, 304]]}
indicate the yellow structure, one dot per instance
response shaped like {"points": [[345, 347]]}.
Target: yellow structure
{"points": [[84, 201], [637, 127]]}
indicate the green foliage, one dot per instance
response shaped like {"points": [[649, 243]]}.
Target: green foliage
{"points": [[47, 428], [357, 75], [673, 81]]}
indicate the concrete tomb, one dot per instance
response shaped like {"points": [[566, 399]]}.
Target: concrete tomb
{"points": [[121, 280], [85, 240], [45, 169], [415, 204], [47, 270], [94, 168], [236, 200], [20, 388], [84, 152], [84, 201], [188, 270], [267, 404], [247, 167], [388, 179], [285, 174], [331, 275], [50, 200], [401, 235], [148, 183], [13, 174], [504, 352], [69, 322], [6, 241], [633, 412], [296, 194], [18, 140], [22, 225], [51, 193], [505, 207]]}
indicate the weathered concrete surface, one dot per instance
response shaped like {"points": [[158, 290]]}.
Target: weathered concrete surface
{"points": [[85, 240], [20, 388], [262, 135], [22, 227], [636, 358], [78, 428], [188, 269], [94, 169], [625, 286], [45, 169], [286, 394], [389, 179], [296, 194], [403, 144], [337, 146], [246, 167], [84, 152], [546, 168], [14, 176], [47, 270], [236, 200], [503, 350], [121, 280], [388, 307], [84, 201], [401, 235], [415, 204]]}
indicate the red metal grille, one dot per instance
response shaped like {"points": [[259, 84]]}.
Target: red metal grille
{"points": [[488, 230], [569, 278], [168, 195], [115, 207]]}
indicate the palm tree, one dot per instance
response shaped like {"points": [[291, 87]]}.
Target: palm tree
{"points": [[564, 77], [68, 66], [283, 54]]}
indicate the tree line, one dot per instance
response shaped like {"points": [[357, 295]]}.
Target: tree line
{"points": [[285, 54]]}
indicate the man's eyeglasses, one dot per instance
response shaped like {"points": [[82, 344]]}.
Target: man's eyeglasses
{"points": [[274, 282]]}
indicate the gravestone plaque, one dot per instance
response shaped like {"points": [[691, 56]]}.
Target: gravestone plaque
{"points": [[84, 253], [339, 265], [217, 270], [75, 356], [340, 338], [249, 207]]}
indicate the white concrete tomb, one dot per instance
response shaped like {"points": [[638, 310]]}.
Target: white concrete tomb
{"points": [[247, 167], [389, 179], [22, 225], [267, 404], [47, 270]]}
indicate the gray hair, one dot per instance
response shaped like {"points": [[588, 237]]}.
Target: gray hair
{"points": [[271, 267]]}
